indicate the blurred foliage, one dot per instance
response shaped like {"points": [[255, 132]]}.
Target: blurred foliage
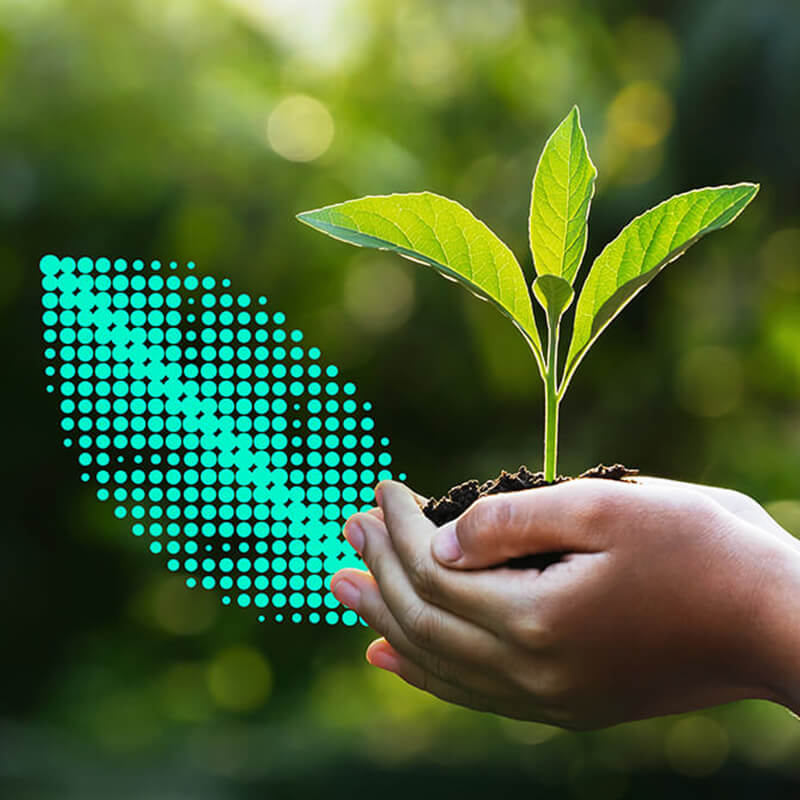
{"points": [[195, 129]]}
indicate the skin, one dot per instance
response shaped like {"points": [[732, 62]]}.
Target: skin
{"points": [[668, 597]]}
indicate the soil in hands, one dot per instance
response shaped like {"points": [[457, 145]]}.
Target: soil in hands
{"points": [[461, 497]]}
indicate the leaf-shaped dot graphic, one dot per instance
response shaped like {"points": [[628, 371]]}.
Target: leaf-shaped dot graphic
{"points": [[228, 444]]}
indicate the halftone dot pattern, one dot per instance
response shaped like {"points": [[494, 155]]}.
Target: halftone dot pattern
{"points": [[232, 449]]}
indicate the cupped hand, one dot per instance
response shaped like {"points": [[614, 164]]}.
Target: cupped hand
{"points": [[666, 597]]}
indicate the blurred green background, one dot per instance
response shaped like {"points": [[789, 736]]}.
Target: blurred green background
{"points": [[196, 129]]}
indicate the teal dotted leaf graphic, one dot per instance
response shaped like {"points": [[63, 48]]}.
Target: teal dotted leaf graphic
{"points": [[232, 449]]}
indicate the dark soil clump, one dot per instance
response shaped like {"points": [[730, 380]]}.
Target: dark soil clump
{"points": [[461, 497]]}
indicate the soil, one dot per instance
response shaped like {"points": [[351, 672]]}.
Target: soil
{"points": [[461, 497]]}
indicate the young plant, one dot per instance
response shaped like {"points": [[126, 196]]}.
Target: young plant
{"points": [[441, 233]]}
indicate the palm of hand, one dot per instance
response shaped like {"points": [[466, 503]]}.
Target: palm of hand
{"points": [[643, 615]]}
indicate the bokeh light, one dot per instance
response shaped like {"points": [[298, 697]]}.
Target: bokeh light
{"points": [[780, 259], [697, 746], [177, 611], [300, 128], [638, 119], [239, 679], [379, 293]]}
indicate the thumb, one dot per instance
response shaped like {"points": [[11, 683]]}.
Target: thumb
{"points": [[501, 527]]}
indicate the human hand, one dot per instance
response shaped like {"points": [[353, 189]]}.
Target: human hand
{"points": [[667, 597]]}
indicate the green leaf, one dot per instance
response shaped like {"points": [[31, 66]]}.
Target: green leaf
{"points": [[554, 295], [563, 187], [441, 233], [641, 250]]}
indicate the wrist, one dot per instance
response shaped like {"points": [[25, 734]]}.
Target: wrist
{"points": [[780, 634]]}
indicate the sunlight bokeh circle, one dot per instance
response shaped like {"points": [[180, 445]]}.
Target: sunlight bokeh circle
{"points": [[300, 128]]}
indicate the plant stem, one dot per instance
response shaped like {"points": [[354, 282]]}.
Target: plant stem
{"points": [[551, 402]]}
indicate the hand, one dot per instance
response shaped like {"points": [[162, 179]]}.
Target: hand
{"points": [[667, 597]]}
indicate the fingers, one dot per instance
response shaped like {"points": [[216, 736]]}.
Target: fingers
{"points": [[358, 590], [420, 500], [381, 654], [425, 626], [568, 517], [486, 598], [401, 505], [410, 530]]}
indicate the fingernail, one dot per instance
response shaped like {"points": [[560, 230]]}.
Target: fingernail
{"points": [[445, 545], [383, 660], [354, 534], [346, 593]]}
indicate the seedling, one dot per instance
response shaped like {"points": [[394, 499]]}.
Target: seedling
{"points": [[441, 233]]}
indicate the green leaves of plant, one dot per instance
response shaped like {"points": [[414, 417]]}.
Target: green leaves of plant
{"points": [[562, 193], [554, 295], [441, 233], [433, 230], [642, 249]]}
